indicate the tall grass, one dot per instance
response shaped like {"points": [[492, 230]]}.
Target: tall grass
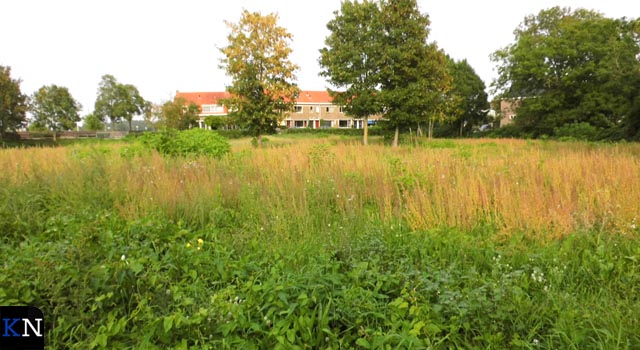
{"points": [[323, 243], [514, 186]]}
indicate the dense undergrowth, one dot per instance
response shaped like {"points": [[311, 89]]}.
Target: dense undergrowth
{"points": [[126, 251]]}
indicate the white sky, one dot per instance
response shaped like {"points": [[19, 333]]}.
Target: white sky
{"points": [[162, 46]]}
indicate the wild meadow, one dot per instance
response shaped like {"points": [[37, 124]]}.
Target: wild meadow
{"points": [[322, 243]]}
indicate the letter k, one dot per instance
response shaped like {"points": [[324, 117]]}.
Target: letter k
{"points": [[7, 327]]}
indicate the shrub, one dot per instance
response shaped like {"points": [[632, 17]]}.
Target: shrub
{"points": [[134, 150], [578, 131], [507, 131], [235, 133], [194, 142]]}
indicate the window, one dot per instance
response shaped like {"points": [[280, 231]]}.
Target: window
{"points": [[343, 124], [298, 124], [212, 109], [341, 109], [310, 108], [298, 109]]}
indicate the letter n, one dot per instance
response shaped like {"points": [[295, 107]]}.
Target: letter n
{"points": [[28, 324]]}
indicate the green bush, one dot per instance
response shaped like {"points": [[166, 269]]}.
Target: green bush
{"points": [[194, 142], [507, 131], [134, 150], [234, 133], [578, 131]]}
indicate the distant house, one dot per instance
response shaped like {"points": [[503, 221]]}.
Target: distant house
{"points": [[315, 109], [312, 109], [508, 111], [209, 102]]}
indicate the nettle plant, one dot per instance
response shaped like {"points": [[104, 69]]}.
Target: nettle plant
{"points": [[193, 142]]}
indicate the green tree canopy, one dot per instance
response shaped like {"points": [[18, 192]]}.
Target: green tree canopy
{"points": [[471, 99], [257, 60], [54, 107], [378, 52], [92, 122], [13, 103], [351, 59], [117, 101], [414, 79], [178, 114], [571, 67]]}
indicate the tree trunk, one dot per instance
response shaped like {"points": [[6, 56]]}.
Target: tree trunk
{"points": [[430, 132], [396, 136], [54, 136], [130, 126], [365, 126], [259, 139]]}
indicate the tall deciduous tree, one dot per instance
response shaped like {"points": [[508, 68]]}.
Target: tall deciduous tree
{"points": [[54, 107], [178, 114], [414, 75], [468, 90], [133, 103], [118, 101], [378, 51], [571, 67], [351, 59], [13, 103], [257, 60], [92, 122]]}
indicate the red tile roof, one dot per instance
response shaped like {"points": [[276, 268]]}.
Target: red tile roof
{"points": [[314, 97], [203, 98], [211, 98]]}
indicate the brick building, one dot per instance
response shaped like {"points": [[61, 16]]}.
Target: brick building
{"points": [[313, 109], [508, 111]]}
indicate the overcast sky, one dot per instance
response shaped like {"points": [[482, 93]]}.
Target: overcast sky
{"points": [[163, 46]]}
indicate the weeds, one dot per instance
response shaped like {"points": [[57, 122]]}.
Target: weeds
{"points": [[323, 244]]}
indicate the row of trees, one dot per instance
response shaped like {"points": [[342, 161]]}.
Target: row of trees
{"points": [[378, 57], [53, 108], [565, 68]]}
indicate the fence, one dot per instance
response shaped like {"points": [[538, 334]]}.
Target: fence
{"points": [[45, 135]]}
